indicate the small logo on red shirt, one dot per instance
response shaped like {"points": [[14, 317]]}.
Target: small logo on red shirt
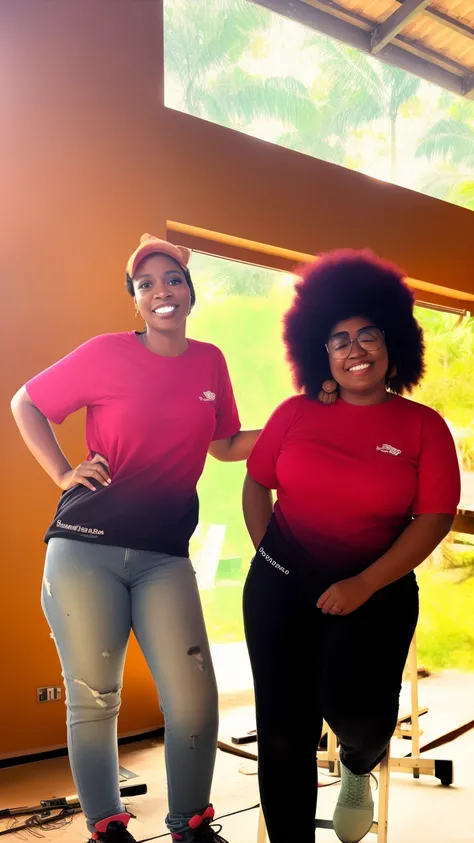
{"points": [[207, 396], [389, 449]]}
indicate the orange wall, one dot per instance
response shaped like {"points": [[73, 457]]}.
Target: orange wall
{"points": [[90, 159], [81, 137]]}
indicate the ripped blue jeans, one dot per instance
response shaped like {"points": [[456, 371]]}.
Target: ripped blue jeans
{"points": [[93, 596]]}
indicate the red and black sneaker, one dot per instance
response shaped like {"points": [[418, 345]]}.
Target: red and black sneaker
{"points": [[113, 830], [201, 829]]}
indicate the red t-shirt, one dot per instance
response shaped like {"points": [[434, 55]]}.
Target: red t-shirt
{"points": [[153, 418], [350, 478]]}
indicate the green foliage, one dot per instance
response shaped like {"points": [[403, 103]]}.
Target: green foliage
{"points": [[366, 88], [204, 43], [459, 558], [228, 278], [449, 138], [449, 145], [445, 634], [362, 90], [448, 384], [204, 39]]}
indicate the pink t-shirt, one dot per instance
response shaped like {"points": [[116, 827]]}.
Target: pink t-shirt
{"points": [[349, 478], [153, 418]]}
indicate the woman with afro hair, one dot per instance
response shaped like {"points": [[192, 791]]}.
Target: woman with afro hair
{"points": [[367, 485]]}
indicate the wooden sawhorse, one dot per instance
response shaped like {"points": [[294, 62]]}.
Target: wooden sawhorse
{"points": [[407, 727]]}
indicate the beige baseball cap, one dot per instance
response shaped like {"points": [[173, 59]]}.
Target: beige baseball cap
{"points": [[150, 245]]}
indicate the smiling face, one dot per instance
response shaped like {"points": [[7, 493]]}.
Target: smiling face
{"points": [[162, 294], [358, 359]]}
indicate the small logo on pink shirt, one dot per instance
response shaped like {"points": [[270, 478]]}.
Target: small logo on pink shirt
{"points": [[207, 396], [389, 449]]}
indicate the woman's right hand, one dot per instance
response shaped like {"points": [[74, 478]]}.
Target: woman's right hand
{"points": [[94, 469], [257, 503]]}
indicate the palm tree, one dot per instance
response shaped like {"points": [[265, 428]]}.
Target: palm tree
{"points": [[215, 276], [204, 39], [449, 145], [204, 43], [363, 90], [211, 83], [317, 134]]}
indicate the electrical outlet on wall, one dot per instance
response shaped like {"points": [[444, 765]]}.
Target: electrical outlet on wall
{"points": [[50, 694]]}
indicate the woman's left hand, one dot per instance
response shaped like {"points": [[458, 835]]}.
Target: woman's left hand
{"points": [[344, 597]]}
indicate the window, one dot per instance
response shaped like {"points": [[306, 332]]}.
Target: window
{"points": [[239, 308], [236, 64]]}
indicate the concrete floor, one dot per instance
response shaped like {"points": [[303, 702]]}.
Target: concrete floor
{"points": [[421, 811]]}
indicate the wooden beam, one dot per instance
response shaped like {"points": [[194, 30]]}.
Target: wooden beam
{"points": [[468, 84], [416, 48], [447, 20], [432, 57], [243, 250], [431, 11], [389, 29], [328, 22], [334, 23]]}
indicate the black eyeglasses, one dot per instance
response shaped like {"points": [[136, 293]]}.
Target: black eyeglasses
{"points": [[369, 338]]}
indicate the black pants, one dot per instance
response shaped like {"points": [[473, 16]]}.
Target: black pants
{"points": [[308, 666]]}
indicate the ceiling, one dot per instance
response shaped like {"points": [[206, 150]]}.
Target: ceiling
{"points": [[433, 39]]}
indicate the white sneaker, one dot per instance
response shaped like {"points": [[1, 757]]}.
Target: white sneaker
{"points": [[354, 812]]}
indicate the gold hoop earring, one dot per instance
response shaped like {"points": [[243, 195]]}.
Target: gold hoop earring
{"points": [[328, 393], [137, 311]]}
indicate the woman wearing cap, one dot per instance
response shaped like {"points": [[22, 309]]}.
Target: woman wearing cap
{"points": [[367, 486], [117, 549]]}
